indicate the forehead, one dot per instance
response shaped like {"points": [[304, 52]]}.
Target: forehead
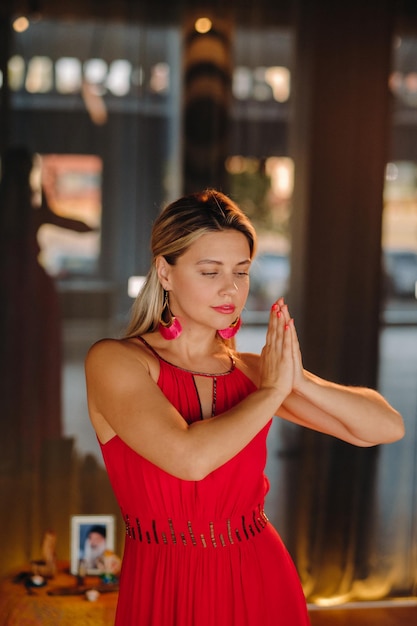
{"points": [[220, 245]]}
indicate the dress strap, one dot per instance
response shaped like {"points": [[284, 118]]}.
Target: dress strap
{"points": [[151, 348]]}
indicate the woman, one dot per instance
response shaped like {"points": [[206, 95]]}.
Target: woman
{"points": [[182, 421]]}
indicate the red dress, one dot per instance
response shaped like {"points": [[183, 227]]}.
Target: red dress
{"points": [[201, 553]]}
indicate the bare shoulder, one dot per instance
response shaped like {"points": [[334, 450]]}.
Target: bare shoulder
{"points": [[104, 348], [118, 374], [248, 363], [118, 356]]}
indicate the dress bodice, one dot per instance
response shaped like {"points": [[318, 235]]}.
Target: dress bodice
{"points": [[137, 481]]}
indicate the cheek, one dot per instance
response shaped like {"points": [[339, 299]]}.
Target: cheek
{"points": [[243, 285], [192, 290], [244, 292]]}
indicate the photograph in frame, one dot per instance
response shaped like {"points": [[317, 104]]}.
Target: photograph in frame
{"points": [[91, 535]]}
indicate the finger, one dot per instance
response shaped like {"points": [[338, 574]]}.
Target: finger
{"points": [[286, 313], [275, 315], [291, 324], [275, 335], [295, 343], [287, 349], [278, 322], [275, 308]]}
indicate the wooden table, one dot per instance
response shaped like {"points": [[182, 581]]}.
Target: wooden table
{"points": [[394, 612], [45, 606]]}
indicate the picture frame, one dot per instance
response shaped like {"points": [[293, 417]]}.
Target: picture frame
{"points": [[91, 535]]}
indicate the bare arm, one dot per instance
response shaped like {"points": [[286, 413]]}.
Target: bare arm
{"points": [[124, 400], [358, 415]]}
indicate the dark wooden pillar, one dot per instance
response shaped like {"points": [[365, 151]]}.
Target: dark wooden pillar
{"points": [[339, 143], [207, 98]]}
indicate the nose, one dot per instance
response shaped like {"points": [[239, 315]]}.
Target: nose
{"points": [[230, 287]]}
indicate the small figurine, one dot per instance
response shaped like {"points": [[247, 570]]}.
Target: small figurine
{"points": [[109, 566], [46, 567]]}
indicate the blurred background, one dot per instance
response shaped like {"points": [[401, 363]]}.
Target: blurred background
{"points": [[306, 114]]}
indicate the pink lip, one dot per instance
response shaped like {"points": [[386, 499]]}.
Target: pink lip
{"points": [[226, 309]]}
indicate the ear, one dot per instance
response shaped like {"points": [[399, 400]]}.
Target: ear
{"points": [[163, 270]]}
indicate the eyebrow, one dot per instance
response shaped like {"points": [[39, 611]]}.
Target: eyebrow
{"points": [[214, 262]]}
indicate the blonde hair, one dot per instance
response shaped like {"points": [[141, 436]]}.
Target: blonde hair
{"points": [[179, 225]]}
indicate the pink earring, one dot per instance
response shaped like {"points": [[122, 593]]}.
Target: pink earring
{"points": [[172, 328], [230, 331]]}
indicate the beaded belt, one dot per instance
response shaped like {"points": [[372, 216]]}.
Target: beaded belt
{"points": [[204, 534]]}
